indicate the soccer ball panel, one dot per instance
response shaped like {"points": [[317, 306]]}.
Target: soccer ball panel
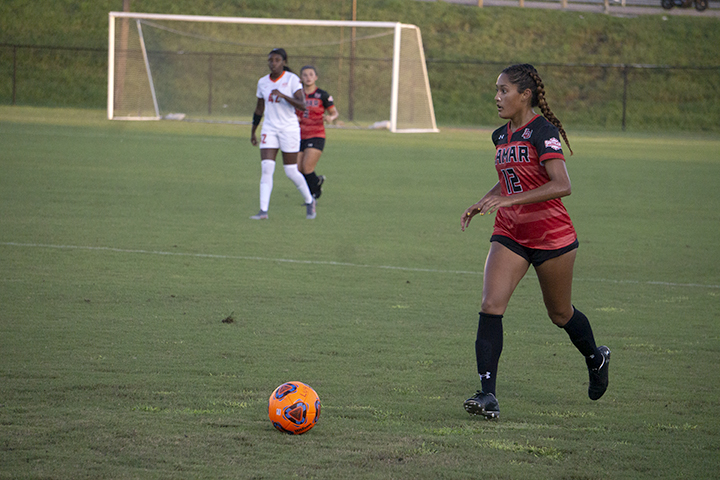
{"points": [[284, 390]]}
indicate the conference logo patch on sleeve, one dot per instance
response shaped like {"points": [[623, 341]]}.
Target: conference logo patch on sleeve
{"points": [[553, 143]]}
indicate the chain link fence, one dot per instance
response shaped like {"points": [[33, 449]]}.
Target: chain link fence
{"points": [[609, 97], [593, 96]]}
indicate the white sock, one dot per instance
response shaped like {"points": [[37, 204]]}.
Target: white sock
{"points": [[297, 178], [266, 183]]}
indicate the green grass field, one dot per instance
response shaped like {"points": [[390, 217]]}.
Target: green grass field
{"points": [[123, 246]]}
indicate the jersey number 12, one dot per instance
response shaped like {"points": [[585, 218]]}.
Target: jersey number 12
{"points": [[512, 182]]}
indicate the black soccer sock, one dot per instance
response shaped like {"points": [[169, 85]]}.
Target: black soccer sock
{"points": [[581, 335], [312, 181], [488, 347]]}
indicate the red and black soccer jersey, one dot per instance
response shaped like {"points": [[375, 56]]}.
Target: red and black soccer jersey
{"points": [[519, 161], [311, 120]]}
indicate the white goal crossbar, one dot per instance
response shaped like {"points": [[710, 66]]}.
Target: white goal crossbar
{"points": [[402, 33]]}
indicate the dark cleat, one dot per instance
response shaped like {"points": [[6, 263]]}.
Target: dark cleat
{"points": [[321, 180], [599, 377], [484, 404]]}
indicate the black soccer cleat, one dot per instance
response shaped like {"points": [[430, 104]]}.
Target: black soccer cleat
{"points": [[321, 180], [599, 377], [484, 404]]}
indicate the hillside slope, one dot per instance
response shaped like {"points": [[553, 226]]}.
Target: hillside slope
{"points": [[465, 47]]}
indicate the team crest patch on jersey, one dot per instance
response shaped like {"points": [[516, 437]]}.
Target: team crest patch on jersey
{"points": [[553, 143], [527, 134]]}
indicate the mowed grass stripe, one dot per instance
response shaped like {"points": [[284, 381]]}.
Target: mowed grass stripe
{"points": [[331, 263]]}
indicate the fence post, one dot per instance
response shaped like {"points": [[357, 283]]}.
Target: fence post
{"points": [[210, 82], [625, 88], [14, 78], [351, 86]]}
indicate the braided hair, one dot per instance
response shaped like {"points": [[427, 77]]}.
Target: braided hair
{"points": [[524, 76]]}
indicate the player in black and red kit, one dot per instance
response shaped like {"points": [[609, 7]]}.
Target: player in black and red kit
{"points": [[319, 109], [532, 227]]}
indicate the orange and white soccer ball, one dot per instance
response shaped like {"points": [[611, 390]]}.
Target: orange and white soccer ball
{"points": [[294, 408]]}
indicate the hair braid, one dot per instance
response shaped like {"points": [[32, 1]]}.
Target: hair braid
{"points": [[545, 108], [519, 75]]}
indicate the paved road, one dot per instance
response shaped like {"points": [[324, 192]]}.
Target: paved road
{"points": [[632, 7]]}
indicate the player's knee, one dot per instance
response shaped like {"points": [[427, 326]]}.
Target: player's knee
{"points": [[493, 307], [291, 170], [267, 171], [560, 316]]}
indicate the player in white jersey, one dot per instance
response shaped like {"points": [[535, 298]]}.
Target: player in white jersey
{"points": [[279, 94]]}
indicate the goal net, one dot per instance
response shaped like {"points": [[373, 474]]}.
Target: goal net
{"points": [[206, 68]]}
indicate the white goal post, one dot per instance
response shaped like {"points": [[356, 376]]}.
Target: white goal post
{"points": [[206, 68]]}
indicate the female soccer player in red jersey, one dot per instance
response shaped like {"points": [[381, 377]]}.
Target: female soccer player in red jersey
{"points": [[319, 109], [532, 227], [279, 94]]}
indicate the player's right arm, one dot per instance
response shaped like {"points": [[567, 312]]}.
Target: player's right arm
{"points": [[473, 210], [259, 109]]}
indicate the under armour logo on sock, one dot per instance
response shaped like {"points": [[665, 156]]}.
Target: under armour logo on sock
{"points": [[485, 375]]}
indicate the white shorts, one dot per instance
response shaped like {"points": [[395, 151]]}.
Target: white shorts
{"points": [[287, 140]]}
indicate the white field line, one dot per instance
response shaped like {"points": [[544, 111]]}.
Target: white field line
{"points": [[235, 257], [327, 262], [122, 136]]}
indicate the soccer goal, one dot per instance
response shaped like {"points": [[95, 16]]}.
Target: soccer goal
{"points": [[206, 68]]}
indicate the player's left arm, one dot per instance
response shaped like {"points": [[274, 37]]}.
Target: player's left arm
{"points": [[547, 145], [297, 100], [558, 186], [331, 114]]}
